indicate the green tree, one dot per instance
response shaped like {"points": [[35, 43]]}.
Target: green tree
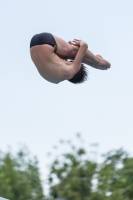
{"points": [[126, 178], [76, 176], [71, 177], [115, 177], [20, 177]]}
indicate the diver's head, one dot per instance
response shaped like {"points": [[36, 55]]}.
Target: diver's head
{"points": [[81, 76]]}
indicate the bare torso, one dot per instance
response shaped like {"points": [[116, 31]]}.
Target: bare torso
{"points": [[49, 65]]}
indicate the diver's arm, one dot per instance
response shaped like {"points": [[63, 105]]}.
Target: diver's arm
{"points": [[76, 64], [71, 69]]}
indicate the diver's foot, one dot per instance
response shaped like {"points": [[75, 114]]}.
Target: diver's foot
{"points": [[102, 63]]}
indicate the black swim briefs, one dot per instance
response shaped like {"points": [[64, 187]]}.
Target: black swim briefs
{"points": [[43, 38]]}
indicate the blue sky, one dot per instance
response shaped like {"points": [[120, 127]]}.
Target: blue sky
{"points": [[37, 113]]}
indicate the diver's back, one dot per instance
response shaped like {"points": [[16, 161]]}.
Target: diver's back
{"points": [[47, 62]]}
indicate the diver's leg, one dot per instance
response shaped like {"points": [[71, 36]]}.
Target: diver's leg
{"points": [[97, 61], [68, 51], [90, 63], [64, 49]]}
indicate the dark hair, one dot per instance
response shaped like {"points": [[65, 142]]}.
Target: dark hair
{"points": [[81, 76]]}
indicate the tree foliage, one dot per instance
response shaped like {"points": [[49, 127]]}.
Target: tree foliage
{"points": [[115, 177], [76, 176], [72, 176], [20, 177]]}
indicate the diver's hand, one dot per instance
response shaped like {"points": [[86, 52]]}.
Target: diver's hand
{"points": [[78, 43]]}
